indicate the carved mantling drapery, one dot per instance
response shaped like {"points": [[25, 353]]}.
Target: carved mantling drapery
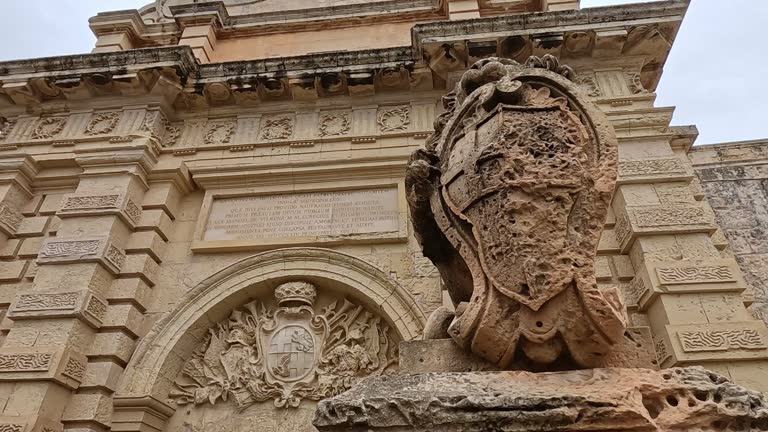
{"points": [[286, 352], [508, 200]]}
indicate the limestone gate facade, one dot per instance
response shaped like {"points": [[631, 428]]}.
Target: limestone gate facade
{"points": [[203, 222]]}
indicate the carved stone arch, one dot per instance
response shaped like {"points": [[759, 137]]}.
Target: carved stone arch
{"points": [[141, 399]]}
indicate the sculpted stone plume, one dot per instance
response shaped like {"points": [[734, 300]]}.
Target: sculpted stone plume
{"points": [[508, 200]]}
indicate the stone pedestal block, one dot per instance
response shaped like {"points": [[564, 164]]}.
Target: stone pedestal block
{"points": [[679, 399]]}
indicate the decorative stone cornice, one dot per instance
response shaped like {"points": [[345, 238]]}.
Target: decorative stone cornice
{"points": [[168, 28], [647, 30], [440, 48]]}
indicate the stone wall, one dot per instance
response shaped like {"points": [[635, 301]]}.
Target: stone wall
{"points": [[151, 204], [734, 177]]}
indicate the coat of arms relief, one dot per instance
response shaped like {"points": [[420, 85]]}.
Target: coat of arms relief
{"points": [[286, 353]]}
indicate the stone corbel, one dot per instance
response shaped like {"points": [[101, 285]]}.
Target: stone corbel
{"points": [[446, 58], [21, 93], [303, 88], [393, 78]]}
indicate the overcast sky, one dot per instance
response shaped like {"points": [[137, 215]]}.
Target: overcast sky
{"points": [[713, 75]]}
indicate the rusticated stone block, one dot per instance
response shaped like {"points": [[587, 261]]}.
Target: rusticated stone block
{"points": [[156, 220], [685, 276], [9, 247], [725, 341], [112, 345], [82, 304], [29, 424], [141, 266], [57, 250], [654, 171], [124, 317], [121, 205], [661, 219], [89, 407], [148, 242], [102, 375], [64, 366], [584, 400], [32, 226], [10, 219], [163, 196], [12, 271]]}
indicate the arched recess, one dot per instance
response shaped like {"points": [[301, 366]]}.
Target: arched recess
{"points": [[140, 401]]}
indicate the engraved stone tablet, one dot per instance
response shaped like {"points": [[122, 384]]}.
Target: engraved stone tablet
{"points": [[265, 218]]}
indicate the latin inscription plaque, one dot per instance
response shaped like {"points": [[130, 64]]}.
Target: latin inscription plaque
{"points": [[313, 214]]}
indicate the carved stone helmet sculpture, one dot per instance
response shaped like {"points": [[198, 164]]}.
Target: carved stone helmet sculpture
{"points": [[508, 200]]}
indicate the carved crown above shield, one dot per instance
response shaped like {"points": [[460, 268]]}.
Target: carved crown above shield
{"points": [[287, 351]]}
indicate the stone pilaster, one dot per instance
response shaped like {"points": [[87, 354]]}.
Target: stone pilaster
{"points": [[690, 292]]}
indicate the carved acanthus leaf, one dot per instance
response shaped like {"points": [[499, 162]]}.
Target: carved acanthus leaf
{"points": [[286, 353]]}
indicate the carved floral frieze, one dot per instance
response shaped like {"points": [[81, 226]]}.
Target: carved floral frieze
{"points": [[277, 127], [49, 127], [588, 83], [103, 123], [334, 124], [219, 133], [635, 84], [5, 128], [391, 119], [287, 353]]}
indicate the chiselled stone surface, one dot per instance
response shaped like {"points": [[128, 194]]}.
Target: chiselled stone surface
{"points": [[286, 354], [308, 216], [141, 184], [507, 200], [734, 178], [679, 399]]}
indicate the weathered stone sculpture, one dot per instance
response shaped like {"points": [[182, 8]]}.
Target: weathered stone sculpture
{"points": [[673, 400], [286, 354], [508, 200]]}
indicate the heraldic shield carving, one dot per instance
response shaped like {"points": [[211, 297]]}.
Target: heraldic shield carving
{"points": [[288, 353], [508, 200]]}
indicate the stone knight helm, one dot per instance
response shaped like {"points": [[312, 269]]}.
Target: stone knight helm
{"points": [[508, 200]]}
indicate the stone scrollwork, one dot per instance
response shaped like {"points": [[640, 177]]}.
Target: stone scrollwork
{"points": [[287, 353], [392, 119], [49, 127], [636, 84], [103, 123], [219, 133], [334, 124], [507, 200], [5, 128], [277, 127]]}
